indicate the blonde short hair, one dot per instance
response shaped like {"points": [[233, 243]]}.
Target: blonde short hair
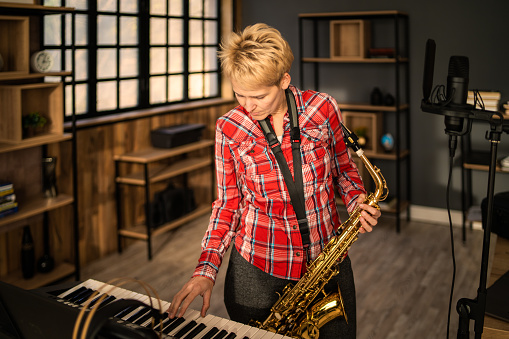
{"points": [[257, 56]]}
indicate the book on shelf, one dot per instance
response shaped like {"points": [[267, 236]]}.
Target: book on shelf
{"points": [[8, 203], [8, 212]]}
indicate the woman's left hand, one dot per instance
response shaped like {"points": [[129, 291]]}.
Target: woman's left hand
{"points": [[369, 215]]}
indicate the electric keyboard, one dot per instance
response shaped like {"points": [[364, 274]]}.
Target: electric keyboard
{"points": [[132, 316]]}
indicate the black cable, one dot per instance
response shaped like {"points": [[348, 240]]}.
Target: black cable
{"points": [[449, 181]]}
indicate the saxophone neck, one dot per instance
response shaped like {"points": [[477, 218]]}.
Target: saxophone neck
{"points": [[381, 191]]}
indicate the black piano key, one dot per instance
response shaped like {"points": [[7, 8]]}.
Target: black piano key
{"points": [[126, 311], [185, 329], [211, 333], [232, 335], [76, 292], [107, 300], [83, 299], [138, 314], [221, 334], [81, 296], [173, 325], [195, 331], [141, 320]]}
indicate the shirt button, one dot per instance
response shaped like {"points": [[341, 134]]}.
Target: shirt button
{"points": [[297, 254], [294, 227]]}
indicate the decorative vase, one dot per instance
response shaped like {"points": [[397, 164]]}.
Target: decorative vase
{"points": [[27, 254]]}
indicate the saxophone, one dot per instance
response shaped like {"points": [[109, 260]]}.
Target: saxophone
{"points": [[299, 313]]}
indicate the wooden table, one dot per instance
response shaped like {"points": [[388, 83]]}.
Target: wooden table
{"points": [[494, 328]]}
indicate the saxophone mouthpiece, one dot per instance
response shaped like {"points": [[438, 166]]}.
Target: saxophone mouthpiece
{"points": [[351, 140]]}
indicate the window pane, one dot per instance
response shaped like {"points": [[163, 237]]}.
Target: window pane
{"points": [[157, 7], [128, 62], [196, 8], [210, 10], [175, 31], [210, 32], [129, 6], [176, 8], [195, 59], [52, 30], [106, 63], [106, 95], [128, 93], [196, 32], [106, 30], [81, 64], [175, 88], [175, 60], [157, 29], [77, 4], [210, 59], [128, 31], [107, 5], [157, 89], [51, 3], [211, 85], [81, 31], [57, 59], [68, 33], [157, 60], [81, 93], [196, 86]]}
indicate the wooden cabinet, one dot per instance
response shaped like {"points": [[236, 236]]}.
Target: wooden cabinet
{"points": [[155, 166], [352, 37], [21, 156]]}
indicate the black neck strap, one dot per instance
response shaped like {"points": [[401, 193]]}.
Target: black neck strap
{"points": [[294, 184]]}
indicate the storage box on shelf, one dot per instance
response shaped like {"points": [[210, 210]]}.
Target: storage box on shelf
{"points": [[18, 101], [367, 125], [14, 45], [349, 39]]}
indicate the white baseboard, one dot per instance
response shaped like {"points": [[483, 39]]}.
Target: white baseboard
{"points": [[438, 216]]}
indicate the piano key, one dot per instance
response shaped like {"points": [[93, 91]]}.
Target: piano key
{"points": [[189, 316], [195, 331], [195, 326], [185, 329]]}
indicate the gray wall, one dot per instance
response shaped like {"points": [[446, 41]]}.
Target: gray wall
{"points": [[476, 29]]}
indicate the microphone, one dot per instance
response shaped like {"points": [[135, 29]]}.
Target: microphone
{"points": [[457, 93]]}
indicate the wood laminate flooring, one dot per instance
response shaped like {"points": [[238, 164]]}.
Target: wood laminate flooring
{"points": [[403, 281]]}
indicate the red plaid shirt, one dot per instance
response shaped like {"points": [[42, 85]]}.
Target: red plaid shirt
{"points": [[253, 206]]}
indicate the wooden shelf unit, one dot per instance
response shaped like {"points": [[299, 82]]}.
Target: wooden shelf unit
{"points": [[313, 49], [156, 173], [23, 91]]}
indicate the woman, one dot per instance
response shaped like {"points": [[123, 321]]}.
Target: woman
{"points": [[254, 209]]}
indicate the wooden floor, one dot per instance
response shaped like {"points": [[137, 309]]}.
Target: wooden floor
{"points": [[403, 280]]}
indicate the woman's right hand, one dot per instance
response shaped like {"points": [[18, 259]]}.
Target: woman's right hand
{"points": [[194, 287]]}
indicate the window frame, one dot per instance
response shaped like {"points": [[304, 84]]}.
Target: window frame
{"points": [[68, 50]]}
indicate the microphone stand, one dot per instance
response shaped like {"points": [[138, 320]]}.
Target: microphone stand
{"points": [[475, 308]]}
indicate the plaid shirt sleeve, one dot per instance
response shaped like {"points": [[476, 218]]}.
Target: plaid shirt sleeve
{"points": [[225, 211]]}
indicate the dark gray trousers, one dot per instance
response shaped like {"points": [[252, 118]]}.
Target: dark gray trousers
{"points": [[249, 293]]}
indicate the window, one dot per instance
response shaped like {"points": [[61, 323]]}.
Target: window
{"points": [[134, 54]]}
